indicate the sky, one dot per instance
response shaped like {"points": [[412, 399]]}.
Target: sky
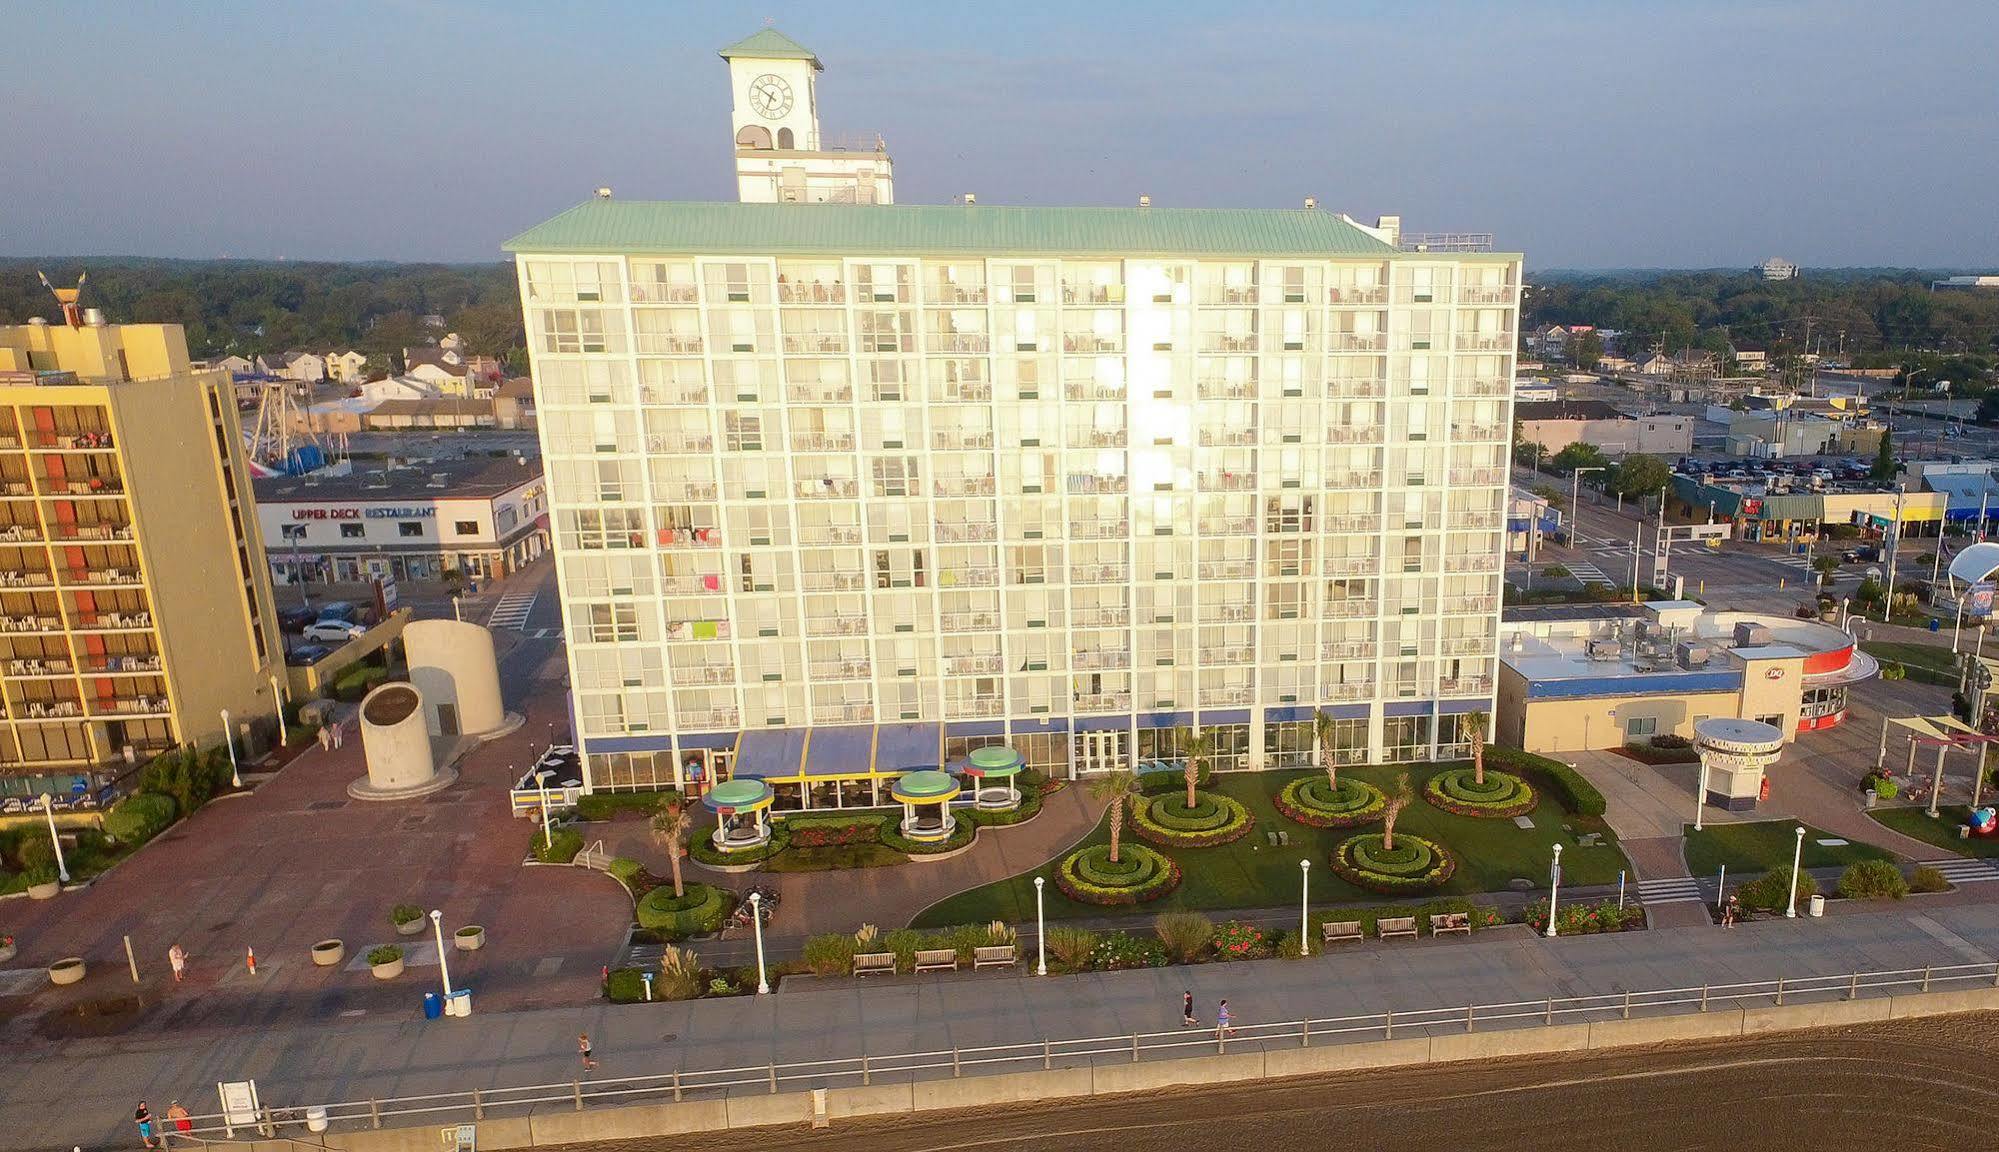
{"points": [[1677, 133]]}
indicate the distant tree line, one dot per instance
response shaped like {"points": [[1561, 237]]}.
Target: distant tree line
{"points": [[250, 307]]}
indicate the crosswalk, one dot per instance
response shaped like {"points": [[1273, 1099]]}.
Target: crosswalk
{"points": [[512, 610], [1588, 573], [1670, 890], [1792, 561], [1959, 870]]}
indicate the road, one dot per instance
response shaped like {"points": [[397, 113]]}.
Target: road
{"points": [[1908, 1084]]}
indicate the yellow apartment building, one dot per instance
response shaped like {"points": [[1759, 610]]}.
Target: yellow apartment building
{"points": [[135, 604]]}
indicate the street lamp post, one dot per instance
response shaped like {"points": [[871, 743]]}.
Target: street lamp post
{"points": [[443, 967], [1554, 889], [278, 706], [1797, 857], [1575, 504], [541, 786], [1304, 907], [49, 810], [1040, 931], [757, 925], [1700, 795], [229, 738]]}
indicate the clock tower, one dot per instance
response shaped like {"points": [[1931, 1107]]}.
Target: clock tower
{"points": [[781, 157]]}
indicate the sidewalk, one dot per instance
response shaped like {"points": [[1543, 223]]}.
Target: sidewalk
{"points": [[808, 1019]]}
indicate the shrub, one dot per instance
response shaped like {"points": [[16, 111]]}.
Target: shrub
{"points": [[139, 817], [1502, 796], [625, 986], [1928, 879], [1894, 672], [1872, 880], [1152, 783], [1186, 935], [605, 805], [891, 835], [829, 955], [698, 912], [1028, 808], [1121, 951], [1671, 740], [624, 870], [834, 833], [1238, 941], [403, 914], [1556, 571], [1166, 820], [1581, 919], [561, 848], [1309, 801], [702, 848], [679, 975], [1415, 864], [38, 860], [1088, 876], [1771, 891], [1576, 793], [1885, 788], [385, 954], [1070, 946], [357, 682]]}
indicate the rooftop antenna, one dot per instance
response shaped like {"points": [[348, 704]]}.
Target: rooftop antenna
{"points": [[72, 312]]}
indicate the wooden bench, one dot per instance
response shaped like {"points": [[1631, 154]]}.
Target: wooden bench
{"points": [[994, 956], [1389, 927], [1335, 931], [1444, 922], [874, 964], [936, 959]]}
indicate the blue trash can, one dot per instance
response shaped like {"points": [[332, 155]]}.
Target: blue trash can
{"points": [[433, 1006]]}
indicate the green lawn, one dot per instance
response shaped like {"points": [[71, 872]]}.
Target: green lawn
{"points": [[1251, 874], [1766, 845], [1934, 663], [1942, 831]]}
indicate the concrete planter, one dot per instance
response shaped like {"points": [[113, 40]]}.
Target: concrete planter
{"points": [[328, 953], [48, 890], [410, 928], [470, 938], [389, 971], [68, 970]]}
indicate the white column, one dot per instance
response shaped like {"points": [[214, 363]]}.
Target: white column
{"points": [[1305, 907], [1040, 930], [49, 810], [1797, 856], [443, 966], [1554, 889], [757, 925]]}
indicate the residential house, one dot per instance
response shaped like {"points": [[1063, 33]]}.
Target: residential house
{"points": [[397, 388], [513, 403], [304, 367], [232, 364], [1654, 364], [1556, 424], [349, 367], [332, 417], [442, 369], [451, 342]]}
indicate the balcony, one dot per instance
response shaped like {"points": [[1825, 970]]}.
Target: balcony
{"points": [[1097, 528], [1350, 296], [827, 488], [1093, 484], [1483, 294], [1229, 612], [947, 440], [836, 625], [1227, 437], [51, 710], [1478, 476], [1096, 438], [960, 343], [1093, 392], [1356, 342], [973, 665], [70, 441], [1482, 387], [834, 582], [1471, 562], [100, 577], [697, 630], [705, 674], [1340, 388], [19, 534], [1353, 479], [975, 706], [1465, 646], [675, 443], [1354, 434], [711, 718], [1349, 609], [1098, 574], [1225, 482], [1212, 342], [1347, 650], [971, 532], [964, 486], [969, 622], [815, 344], [692, 492], [1227, 570], [1349, 692], [658, 293], [1103, 702], [132, 706], [1466, 605], [122, 665], [954, 294], [843, 714], [1359, 522], [1352, 565], [27, 579], [1220, 697], [1487, 520], [30, 623], [1226, 296], [1465, 685], [1227, 654], [1214, 388], [813, 394], [1243, 526], [965, 393], [822, 442], [1101, 617], [1092, 345], [971, 576], [40, 668], [840, 669], [1484, 342], [16, 488], [1100, 659], [114, 621], [1478, 433], [814, 293], [1083, 294]]}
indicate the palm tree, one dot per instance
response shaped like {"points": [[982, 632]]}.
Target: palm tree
{"points": [[1396, 804], [669, 831], [1325, 730], [1195, 748], [1116, 786], [1471, 728]]}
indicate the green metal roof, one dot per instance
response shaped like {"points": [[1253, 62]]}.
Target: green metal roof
{"points": [[770, 44], [668, 227]]}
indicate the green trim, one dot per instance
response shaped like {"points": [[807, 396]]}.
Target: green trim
{"points": [[926, 787], [770, 44]]}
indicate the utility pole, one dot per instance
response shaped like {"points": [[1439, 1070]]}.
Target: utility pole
{"points": [[1894, 536]]}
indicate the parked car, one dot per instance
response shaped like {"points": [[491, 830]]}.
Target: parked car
{"points": [[305, 655], [333, 631], [293, 619], [339, 610]]}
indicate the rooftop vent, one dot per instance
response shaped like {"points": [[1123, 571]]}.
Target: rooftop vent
{"points": [[93, 317], [1311, 201], [1145, 201], [604, 193], [971, 197]]}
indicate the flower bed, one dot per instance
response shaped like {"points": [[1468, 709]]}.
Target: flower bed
{"points": [[1238, 941], [831, 834], [1584, 919], [1168, 822], [1414, 865], [1088, 876], [1502, 796], [1309, 801], [1121, 951]]}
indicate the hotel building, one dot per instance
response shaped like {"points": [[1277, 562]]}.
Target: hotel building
{"points": [[134, 603], [843, 489]]}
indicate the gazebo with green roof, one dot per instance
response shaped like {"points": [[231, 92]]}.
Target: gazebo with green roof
{"points": [[926, 804], [742, 813], [1000, 765]]}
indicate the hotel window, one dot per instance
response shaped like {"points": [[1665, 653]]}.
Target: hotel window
{"points": [[1405, 739], [1641, 728], [353, 531], [580, 330], [586, 282], [611, 623], [294, 531], [409, 527], [466, 527]]}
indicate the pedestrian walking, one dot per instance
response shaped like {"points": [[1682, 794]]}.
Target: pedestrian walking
{"points": [[143, 1117], [177, 960], [1224, 1021], [1187, 1010], [583, 1049], [1731, 910], [178, 1120]]}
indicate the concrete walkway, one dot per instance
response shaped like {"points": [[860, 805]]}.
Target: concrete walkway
{"points": [[807, 1019]]}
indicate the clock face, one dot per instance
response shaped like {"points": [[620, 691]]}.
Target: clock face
{"points": [[770, 96]]}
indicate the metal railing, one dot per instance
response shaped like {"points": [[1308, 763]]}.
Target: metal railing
{"points": [[1135, 1047]]}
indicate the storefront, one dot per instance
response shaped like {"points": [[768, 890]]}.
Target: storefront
{"points": [[481, 518]]}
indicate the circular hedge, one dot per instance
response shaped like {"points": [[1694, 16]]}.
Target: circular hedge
{"points": [[698, 912], [1311, 802], [1168, 822], [1503, 794], [1413, 865], [1088, 876]]}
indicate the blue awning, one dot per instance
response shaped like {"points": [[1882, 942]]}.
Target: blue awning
{"points": [[908, 747], [839, 751], [777, 752]]}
